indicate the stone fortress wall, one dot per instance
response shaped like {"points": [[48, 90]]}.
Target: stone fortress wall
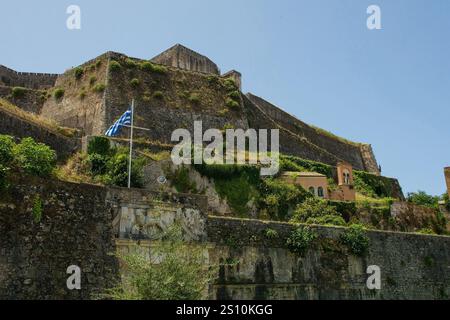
{"points": [[12, 78], [65, 146], [95, 113], [85, 225], [359, 155]]}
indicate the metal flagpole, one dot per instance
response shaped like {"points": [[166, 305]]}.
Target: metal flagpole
{"points": [[131, 144]]}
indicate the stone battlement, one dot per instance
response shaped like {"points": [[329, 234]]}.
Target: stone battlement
{"points": [[12, 78]]}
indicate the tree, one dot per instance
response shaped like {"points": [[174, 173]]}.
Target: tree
{"points": [[176, 270], [313, 208], [117, 170], [35, 158], [423, 199]]}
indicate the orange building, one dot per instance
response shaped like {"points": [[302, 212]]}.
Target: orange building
{"points": [[314, 182], [317, 183], [346, 190]]}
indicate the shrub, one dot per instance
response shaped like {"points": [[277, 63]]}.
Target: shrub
{"points": [[99, 145], [173, 271], [355, 239], [58, 93], [278, 197], [146, 66], [313, 208], [325, 220], [98, 163], [18, 92], [37, 209], [423, 199], [135, 83], [99, 87], [235, 95], [300, 240], [150, 67], [35, 158], [117, 170], [271, 233], [159, 69], [78, 72], [115, 66], [158, 95], [6, 149], [130, 63], [229, 84], [230, 103]]}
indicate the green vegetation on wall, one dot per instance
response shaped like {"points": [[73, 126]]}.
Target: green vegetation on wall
{"points": [[58, 93], [173, 271], [371, 185], [78, 72], [313, 208], [279, 198], [99, 145], [110, 165], [235, 183], [300, 240], [356, 239], [18, 92], [423, 199], [291, 163], [34, 158], [31, 157]]}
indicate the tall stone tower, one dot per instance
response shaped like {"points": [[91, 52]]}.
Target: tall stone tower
{"points": [[447, 179], [181, 57]]}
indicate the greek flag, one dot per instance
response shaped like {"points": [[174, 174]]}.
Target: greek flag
{"points": [[125, 119]]}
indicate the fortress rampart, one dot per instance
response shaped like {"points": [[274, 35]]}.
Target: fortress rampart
{"points": [[185, 93], [359, 155], [12, 78]]}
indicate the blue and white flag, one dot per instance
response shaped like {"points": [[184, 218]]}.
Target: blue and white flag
{"points": [[125, 119]]}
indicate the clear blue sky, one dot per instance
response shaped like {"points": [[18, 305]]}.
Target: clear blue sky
{"points": [[315, 59]]}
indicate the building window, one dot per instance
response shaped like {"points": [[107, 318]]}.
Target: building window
{"points": [[311, 189], [320, 192], [346, 176]]}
